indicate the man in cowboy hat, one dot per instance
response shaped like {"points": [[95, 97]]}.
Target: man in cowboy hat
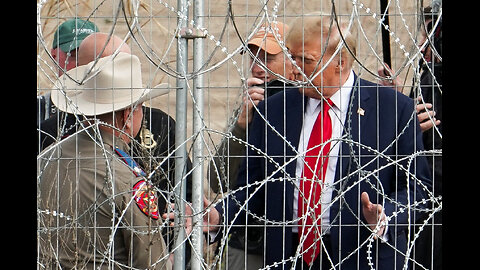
{"points": [[97, 207], [152, 140], [98, 42], [153, 145]]}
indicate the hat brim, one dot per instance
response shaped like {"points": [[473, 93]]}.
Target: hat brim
{"points": [[114, 84], [67, 95], [71, 100], [70, 46], [266, 44]]}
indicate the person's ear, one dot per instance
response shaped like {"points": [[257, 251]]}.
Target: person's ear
{"points": [[127, 118], [53, 52]]}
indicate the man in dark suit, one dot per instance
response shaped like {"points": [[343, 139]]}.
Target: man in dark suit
{"points": [[375, 177]]}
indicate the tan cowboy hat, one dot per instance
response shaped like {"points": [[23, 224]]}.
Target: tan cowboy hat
{"points": [[113, 84]]}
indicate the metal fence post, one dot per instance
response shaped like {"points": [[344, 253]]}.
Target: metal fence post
{"points": [[180, 137], [198, 158]]}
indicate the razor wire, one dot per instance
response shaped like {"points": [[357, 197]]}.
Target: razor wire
{"points": [[225, 40]]}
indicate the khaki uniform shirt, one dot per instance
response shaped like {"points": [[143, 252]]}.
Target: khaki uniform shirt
{"points": [[95, 211]]}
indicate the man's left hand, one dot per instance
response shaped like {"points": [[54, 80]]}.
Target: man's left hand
{"points": [[373, 214]]}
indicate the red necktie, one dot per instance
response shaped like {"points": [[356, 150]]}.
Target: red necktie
{"points": [[321, 132]]}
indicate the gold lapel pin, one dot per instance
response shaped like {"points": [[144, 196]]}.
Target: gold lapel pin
{"points": [[361, 111]]}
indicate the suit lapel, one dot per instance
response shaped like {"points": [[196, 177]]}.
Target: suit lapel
{"points": [[355, 123], [294, 120]]}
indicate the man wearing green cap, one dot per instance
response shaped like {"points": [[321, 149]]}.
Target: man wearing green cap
{"points": [[66, 41]]}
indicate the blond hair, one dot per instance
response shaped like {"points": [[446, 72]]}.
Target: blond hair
{"points": [[323, 25]]}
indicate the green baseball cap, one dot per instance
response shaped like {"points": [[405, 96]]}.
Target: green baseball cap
{"points": [[70, 34]]}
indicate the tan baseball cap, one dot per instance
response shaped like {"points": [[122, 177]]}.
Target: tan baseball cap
{"points": [[265, 37]]}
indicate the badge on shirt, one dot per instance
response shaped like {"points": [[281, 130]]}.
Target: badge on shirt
{"points": [[146, 138], [144, 196]]}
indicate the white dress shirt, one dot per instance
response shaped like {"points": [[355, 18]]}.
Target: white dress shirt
{"points": [[337, 113]]}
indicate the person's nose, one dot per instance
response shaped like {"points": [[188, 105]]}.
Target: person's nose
{"points": [[257, 70], [297, 71]]}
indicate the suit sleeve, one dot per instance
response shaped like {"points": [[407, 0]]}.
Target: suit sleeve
{"points": [[413, 174], [250, 171], [223, 168]]}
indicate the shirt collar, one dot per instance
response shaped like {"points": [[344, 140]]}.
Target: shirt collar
{"points": [[340, 99], [107, 138]]}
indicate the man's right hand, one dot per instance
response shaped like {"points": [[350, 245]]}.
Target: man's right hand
{"points": [[210, 219], [255, 95]]}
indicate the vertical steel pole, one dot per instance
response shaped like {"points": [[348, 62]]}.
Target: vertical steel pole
{"points": [[385, 34], [180, 137], [197, 174]]}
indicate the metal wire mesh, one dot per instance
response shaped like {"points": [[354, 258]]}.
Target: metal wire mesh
{"points": [[199, 49]]}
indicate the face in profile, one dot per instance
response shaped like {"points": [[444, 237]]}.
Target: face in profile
{"points": [[277, 63], [65, 60]]}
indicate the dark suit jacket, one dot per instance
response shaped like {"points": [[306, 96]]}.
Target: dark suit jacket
{"points": [[387, 132]]}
